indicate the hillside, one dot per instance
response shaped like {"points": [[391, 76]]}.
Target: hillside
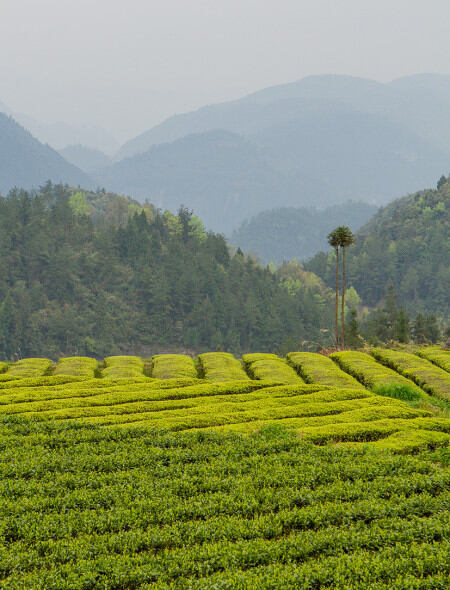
{"points": [[405, 244], [85, 158], [322, 139], [223, 177], [287, 233], [26, 162], [150, 281], [420, 102], [320, 158], [221, 473], [94, 507], [60, 135]]}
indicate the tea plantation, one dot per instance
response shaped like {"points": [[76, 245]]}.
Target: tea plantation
{"points": [[173, 472]]}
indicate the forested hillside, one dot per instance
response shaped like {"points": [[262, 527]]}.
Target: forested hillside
{"points": [[26, 162], [290, 232], [405, 244], [141, 283]]}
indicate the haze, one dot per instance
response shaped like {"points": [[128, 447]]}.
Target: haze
{"points": [[128, 65]]}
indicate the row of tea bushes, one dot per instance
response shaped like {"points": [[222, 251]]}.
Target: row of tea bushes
{"points": [[317, 368], [87, 507], [79, 366], [437, 356], [31, 367], [221, 366], [425, 374], [187, 403], [368, 371], [270, 367], [167, 366], [123, 367]]}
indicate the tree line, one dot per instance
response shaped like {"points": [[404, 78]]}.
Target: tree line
{"points": [[153, 281]]}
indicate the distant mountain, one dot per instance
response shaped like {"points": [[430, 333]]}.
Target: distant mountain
{"points": [[60, 135], [4, 108], [222, 176], [26, 162], [405, 244], [323, 140], [420, 102], [284, 234], [85, 158], [322, 157]]}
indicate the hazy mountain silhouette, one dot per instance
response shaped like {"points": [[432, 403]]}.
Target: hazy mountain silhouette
{"points": [[283, 234], [26, 163], [85, 158], [322, 140], [60, 135], [222, 176], [421, 102]]}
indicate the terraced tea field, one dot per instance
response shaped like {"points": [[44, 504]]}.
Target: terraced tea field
{"points": [[322, 399], [181, 473]]}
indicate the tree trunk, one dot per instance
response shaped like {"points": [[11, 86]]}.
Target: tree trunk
{"points": [[336, 323], [343, 299]]}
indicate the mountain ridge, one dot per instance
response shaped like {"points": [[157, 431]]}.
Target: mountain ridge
{"points": [[26, 162]]}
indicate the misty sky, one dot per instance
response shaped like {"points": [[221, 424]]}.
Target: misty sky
{"points": [[128, 64]]}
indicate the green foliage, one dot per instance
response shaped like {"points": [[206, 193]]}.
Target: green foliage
{"points": [[269, 367], [123, 367], [221, 366], [367, 371], [289, 233], [313, 410], [166, 366], [79, 203], [110, 283], [437, 356], [404, 245], [129, 508], [317, 368], [398, 391], [80, 366], [30, 367], [429, 377]]}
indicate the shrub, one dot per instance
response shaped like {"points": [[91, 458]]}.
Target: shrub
{"points": [[221, 366], [31, 367], [431, 378], [123, 367], [270, 367], [437, 356], [166, 366], [317, 368], [79, 366], [366, 369]]}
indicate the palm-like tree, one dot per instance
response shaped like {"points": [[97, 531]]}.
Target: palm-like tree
{"points": [[345, 238], [333, 240]]}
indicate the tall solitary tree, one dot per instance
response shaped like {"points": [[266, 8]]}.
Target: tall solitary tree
{"points": [[345, 239], [333, 240]]}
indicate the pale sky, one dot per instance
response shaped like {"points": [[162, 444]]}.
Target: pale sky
{"points": [[128, 64]]}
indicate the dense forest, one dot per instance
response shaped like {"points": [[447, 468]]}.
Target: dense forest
{"points": [[406, 245], [95, 273], [286, 233]]}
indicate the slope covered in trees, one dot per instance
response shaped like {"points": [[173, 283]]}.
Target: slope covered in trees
{"points": [[405, 244], [26, 162], [290, 232], [148, 282], [222, 176]]}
